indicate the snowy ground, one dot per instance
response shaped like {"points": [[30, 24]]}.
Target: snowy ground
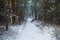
{"points": [[29, 31]]}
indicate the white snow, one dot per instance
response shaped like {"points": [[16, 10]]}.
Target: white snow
{"points": [[29, 31], [29, 19]]}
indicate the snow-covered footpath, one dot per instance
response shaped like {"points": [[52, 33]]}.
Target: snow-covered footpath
{"points": [[29, 31]]}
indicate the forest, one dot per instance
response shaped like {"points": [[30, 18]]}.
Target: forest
{"points": [[46, 10], [16, 12]]}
